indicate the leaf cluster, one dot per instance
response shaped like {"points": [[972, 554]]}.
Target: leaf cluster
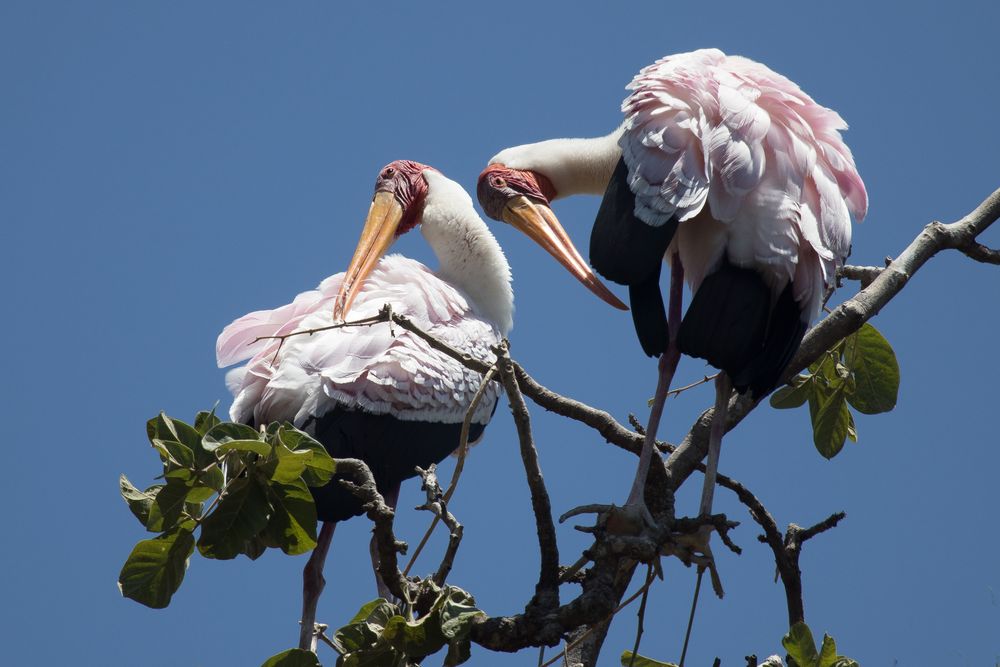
{"points": [[241, 489], [860, 371], [379, 634], [801, 649]]}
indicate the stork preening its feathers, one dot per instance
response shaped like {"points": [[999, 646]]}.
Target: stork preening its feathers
{"points": [[381, 395], [739, 180]]}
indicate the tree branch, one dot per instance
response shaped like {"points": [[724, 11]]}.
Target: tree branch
{"points": [[382, 516], [786, 549], [438, 504], [547, 590]]}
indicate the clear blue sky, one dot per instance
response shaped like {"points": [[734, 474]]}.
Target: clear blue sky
{"points": [[167, 167]]}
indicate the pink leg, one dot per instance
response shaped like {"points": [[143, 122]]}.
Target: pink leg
{"points": [[723, 388], [667, 365], [391, 498], [312, 586]]}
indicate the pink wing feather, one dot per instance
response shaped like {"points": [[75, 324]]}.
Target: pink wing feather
{"points": [[380, 369], [716, 138]]}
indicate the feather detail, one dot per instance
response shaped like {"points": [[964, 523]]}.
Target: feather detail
{"points": [[711, 138], [380, 369]]}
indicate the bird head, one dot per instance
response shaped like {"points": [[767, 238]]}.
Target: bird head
{"points": [[396, 208], [521, 197]]}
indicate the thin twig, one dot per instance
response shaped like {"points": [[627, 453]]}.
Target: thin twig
{"points": [[594, 626], [694, 605], [679, 390], [641, 614], [463, 450]]}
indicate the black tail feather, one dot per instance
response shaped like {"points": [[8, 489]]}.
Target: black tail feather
{"points": [[623, 248], [649, 315], [784, 333], [727, 319], [732, 324], [391, 447]]}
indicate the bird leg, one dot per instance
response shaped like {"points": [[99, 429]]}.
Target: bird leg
{"points": [[391, 498], [723, 388], [666, 367], [312, 586]]}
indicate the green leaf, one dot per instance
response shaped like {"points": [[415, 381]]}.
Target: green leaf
{"points": [[414, 638], [241, 514], [852, 430], [174, 452], [641, 661], [212, 477], [364, 629], [252, 446], [830, 421], [155, 569], [138, 501], [289, 465], [457, 611], [227, 432], [827, 652], [792, 395], [199, 494], [800, 645], [293, 657], [320, 468], [254, 548], [205, 421], [292, 526], [167, 507], [876, 371]]}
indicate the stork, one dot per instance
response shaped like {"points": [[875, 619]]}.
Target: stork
{"points": [[738, 179], [383, 396]]}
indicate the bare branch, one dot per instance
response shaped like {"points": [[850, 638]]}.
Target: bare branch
{"points": [[382, 516], [864, 274], [547, 590], [438, 504], [786, 549], [463, 451], [981, 253]]}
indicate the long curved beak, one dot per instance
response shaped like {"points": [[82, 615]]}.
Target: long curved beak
{"points": [[541, 225], [380, 230]]}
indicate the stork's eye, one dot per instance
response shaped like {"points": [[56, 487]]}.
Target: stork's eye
{"points": [[498, 182], [389, 172]]}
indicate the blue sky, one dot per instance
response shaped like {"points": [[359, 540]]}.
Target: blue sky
{"points": [[168, 167]]}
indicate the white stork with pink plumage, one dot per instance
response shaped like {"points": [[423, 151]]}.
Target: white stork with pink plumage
{"points": [[374, 393], [737, 178]]}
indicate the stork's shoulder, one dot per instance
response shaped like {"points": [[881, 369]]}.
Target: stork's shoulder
{"points": [[706, 128]]}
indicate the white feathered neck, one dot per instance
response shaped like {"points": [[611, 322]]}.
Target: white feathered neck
{"points": [[469, 255], [575, 166]]}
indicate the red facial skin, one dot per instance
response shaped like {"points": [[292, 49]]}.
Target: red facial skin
{"points": [[403, 178], [498, 184]]}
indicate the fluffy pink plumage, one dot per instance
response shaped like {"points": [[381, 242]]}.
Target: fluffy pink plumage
{"points": [[748, 163], [372, 368]]}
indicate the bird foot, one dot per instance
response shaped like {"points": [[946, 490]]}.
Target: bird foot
{"points": [[696, 549], [629, 519]]}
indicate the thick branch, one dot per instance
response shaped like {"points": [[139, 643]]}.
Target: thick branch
{"points": [[847, 318]]}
